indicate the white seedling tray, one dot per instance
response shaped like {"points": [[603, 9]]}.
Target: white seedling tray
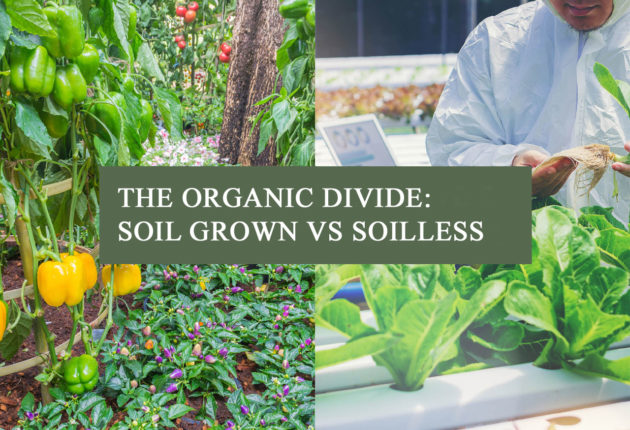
{"points": [[466, 399]]}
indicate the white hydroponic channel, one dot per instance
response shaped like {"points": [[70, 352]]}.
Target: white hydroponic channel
{"points": [[357, 394]]}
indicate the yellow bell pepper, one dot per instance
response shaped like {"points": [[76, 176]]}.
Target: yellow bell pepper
{"points": [[127, 278], [89, 270], [62, 281], [3, 318], [90, 274]]}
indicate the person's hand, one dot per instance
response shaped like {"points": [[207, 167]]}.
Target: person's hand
{"points": [[622, 168], [548, 181]]}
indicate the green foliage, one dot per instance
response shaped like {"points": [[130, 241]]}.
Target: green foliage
{"points": [[620, 90], [19, 328], [564, 310], [420, 313], [202, 103], [290, 118]]}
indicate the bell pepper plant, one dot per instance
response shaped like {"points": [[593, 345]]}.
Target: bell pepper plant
{"points": [[73, 97], [290, 117]]}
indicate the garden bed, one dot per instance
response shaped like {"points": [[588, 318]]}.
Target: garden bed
{"points": [[231, 312]]}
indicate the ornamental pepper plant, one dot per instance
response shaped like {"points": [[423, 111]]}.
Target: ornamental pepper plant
{"points": [[214, 346]]}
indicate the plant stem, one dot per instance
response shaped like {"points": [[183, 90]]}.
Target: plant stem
{"points": [[42, 202], [28, 249], [75, 182], [110, 304], [1, 287], [75, 322], [49, 338], [625, 159]]}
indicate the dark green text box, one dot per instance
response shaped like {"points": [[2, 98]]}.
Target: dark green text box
{"points": [[467, 215]]}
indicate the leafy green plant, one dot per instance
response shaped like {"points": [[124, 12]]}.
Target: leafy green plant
{"points": [[420, 313], [564, 310], [568, 293]]}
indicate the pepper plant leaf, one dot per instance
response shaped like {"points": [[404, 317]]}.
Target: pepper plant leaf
{"points": [[27, 15]]}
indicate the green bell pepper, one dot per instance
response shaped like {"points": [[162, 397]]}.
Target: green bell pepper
{"points": [[68, 23], [294, 9], [70, 86], [32, 71], [95, 19], [80, 374], [17, 59], [146, 119], [88, 62], [57, 126], [103, 115]]}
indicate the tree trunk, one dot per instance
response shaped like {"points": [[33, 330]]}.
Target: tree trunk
{"points": [[258, 33]]}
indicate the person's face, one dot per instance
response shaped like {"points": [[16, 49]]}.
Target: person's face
{"points": [[584, 15]]}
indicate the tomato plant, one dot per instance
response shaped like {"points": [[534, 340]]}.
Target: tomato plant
{"points": [[196, 59]]}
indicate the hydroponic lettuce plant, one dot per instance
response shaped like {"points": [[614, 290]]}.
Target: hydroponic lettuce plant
{"points": [[583, 305], [564, 310], [420, 313]]}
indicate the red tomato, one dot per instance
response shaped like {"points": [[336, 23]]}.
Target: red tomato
{"points": [[179, 38], [190, 16], [227, 49], [181, 44], [224, 58], [193, 6], [180, 10]]}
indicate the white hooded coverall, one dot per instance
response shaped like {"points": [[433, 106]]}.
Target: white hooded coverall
{"points": [[524, 80]]}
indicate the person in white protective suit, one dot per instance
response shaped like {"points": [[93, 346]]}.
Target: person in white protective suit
{"points": [[524, 88]]}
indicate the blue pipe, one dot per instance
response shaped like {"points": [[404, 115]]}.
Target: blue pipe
{"points": [[352, 292]]}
